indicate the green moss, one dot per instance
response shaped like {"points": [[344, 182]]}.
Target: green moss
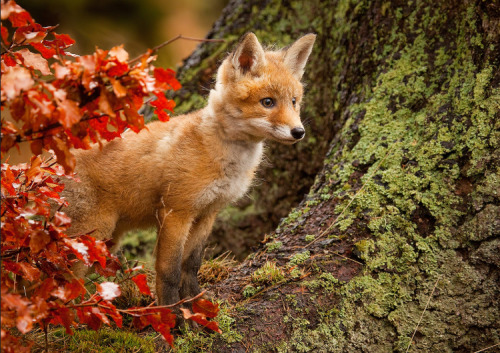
{"points": [[274, 246], [299, 258], [106, 340], [428, 105], [250, 291], [309, 237], [269, 273], [324, 281]]}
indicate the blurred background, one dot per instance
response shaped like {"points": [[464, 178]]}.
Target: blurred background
{"points": [[138, 24]]}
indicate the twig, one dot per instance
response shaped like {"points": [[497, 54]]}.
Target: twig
{"points": [[51, 127], [180, 36], [45, 331], [485, 349], [346, 258], [423, 312]]}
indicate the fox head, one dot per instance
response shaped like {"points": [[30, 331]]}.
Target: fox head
{"points": [[258, 93]]}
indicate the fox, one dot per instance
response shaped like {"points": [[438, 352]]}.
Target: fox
{"points": [[177, 175]]}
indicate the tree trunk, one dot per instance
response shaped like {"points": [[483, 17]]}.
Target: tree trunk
{"points": [[396, 244]]}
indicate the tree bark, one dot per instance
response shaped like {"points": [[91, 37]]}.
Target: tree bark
{"points": [[396, 245]]}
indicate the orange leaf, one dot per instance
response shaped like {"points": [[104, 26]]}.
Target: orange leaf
{"points": [[206, 308], [168, 77], [200, 319], [142, 284], [70, 112], [118, 88], [35, 61], [39, 240], [14, 81], [5, 34]]}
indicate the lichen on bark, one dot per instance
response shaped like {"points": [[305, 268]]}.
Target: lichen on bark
{"points": [[402, 222]]}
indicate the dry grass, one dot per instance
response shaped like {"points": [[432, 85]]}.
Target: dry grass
{"points": [[216, 270]]}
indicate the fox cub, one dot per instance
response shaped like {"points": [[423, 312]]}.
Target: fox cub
{"points": [[178, 175]]}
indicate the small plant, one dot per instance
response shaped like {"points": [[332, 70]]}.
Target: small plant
{"points": [[309, 237], [274, 246], [216, 270], [250, 291], [270, 273], [299, 258]]}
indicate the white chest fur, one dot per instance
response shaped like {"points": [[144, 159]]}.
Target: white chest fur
{"points": [[238, 165]]}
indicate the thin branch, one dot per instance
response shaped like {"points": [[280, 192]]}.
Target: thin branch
{"points": [[423, 312], [180, 36], [53, 126], [182, 301], [485, 349]]}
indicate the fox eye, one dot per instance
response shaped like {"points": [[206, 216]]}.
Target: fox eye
{"points": [[267, 102], [294, 101]]}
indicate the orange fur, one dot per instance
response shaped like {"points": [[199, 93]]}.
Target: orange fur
{"points": [[178, 175]]}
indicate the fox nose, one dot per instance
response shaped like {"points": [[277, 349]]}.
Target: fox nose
{"points": [[298, 133]]}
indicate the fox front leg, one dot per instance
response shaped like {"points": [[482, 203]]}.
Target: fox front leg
{"points": [[173, 230], [193, 253]]}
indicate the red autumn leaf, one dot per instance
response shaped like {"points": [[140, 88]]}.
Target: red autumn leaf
{"points": [[119, 53], [70, 291], [140, 322], [46, 52], [166, 76], [14, 81], [162, 103], [110, 310], [33, 33], [165, 332], [16, 14], [200, 319], [63, 40], [162, 115], [64, 316], [30, 273], [64, 156], [162, 320], [142, 283], [117, 68], [61, 219], [5, 35], [45, 290], [34, 61], [9, 60], [206, 308], [105, 104], [69, 112], [39, 239]]}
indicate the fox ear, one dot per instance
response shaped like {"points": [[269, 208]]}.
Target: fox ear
{"points": [[249, 55], [297, 54]]}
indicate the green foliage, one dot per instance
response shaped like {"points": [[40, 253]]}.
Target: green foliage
{"points": [[309, 237], [106, 340], [139, 245], [299, 258], [274, 246], [269, 273]]}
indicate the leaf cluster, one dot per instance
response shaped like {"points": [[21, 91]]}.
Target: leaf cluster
{"points": [[59, 101]]}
